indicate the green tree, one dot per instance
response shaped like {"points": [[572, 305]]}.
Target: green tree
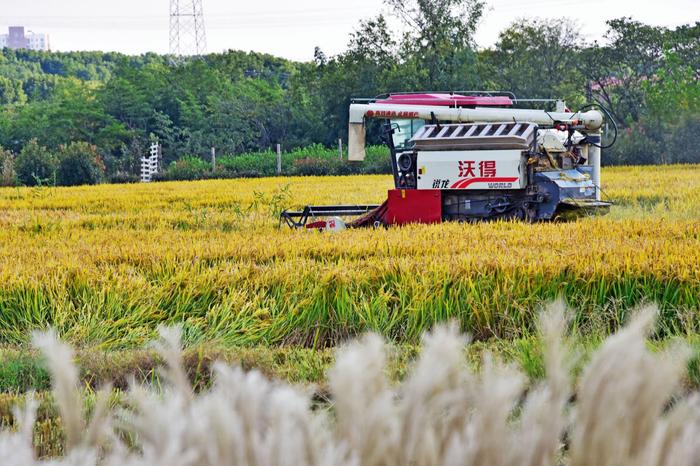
{"points": [[7, 169], [673, 109], [35, 165], [434, 49], [440, 38], [79, 164], [537, 58], [615, 71], [39, 87], [11, 92], [674, 93]]}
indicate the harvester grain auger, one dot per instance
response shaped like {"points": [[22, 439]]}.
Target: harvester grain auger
{"points": [[471, 157]]}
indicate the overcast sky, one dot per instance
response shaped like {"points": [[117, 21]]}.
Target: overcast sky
{"points": [[291, 28]]}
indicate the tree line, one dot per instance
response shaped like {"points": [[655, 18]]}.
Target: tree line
{"points": [[94, 114]]}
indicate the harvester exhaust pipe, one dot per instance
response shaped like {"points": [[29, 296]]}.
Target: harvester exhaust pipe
{"points": [[594, 139]]}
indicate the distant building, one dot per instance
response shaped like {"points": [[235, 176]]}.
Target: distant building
{"points": [[16, 38]]}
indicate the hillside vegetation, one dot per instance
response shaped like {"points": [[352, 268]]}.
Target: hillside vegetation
{"points": [[108, 107]]}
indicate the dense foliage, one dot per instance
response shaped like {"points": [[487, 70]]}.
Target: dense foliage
{"points": [[248, 102], [311, 160]]}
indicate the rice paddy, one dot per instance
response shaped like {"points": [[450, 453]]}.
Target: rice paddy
{"points": [[106, 265]]}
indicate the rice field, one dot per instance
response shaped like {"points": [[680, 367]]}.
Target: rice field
{"points": [[106, 265]]}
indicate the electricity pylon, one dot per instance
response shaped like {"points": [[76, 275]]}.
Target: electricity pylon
{"points": [[187, 35]]}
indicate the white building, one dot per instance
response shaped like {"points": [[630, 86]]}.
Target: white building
{"points": [[16, 38], [38, 41]]}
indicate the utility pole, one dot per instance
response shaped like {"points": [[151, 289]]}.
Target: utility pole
{"points": [[340, 148], [213, 159], [187, 34]]}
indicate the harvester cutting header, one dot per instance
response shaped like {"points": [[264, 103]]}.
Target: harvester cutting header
{"points": [[473, 156]]}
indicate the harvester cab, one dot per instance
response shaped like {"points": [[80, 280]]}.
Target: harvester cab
{"points": [[471, 157]]}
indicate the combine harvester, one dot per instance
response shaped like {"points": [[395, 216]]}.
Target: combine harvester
{"points": [[472, 157]]}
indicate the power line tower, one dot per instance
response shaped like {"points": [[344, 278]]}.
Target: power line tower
{"points": [[187, 35]]}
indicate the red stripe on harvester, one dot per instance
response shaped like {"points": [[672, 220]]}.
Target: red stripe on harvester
{"points": [[461, 184]]}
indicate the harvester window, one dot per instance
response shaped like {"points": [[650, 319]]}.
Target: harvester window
{"points": [[404, 131]]}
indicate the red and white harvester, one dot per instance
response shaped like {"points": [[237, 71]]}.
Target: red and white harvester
{"points": [[473, 156]]}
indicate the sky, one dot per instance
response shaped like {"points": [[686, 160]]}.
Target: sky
{"points": [[292, 28]]}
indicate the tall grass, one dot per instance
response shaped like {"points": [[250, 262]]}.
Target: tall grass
{"points": [[629, 410]]}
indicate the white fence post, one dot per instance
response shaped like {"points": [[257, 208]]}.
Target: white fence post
{"points": [[279, 159], [340, 148], [213, 159]]}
